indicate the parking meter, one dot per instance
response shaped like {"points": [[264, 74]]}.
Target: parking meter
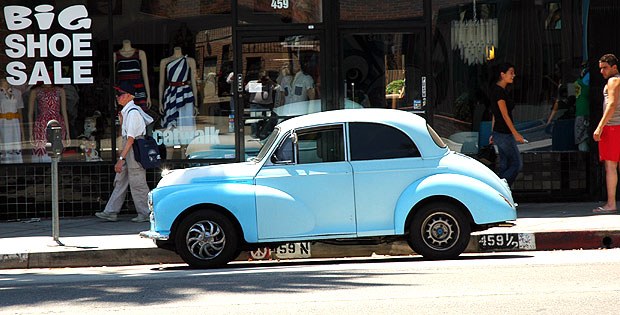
{"points": [[54, 150], [54, 138]]}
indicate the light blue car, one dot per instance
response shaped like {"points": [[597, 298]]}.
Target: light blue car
{"points": [[340, 175]]}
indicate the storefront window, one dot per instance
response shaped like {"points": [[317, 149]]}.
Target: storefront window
{"points": [[383, 70], [54, 66], [178, 55], [280, 11], [551, 101], [377, 10], [281, 80]]}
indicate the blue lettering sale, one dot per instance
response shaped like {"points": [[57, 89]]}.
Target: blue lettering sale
{"points": [[75, 43]]}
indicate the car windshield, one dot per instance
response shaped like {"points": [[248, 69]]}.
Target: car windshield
{"points": [[270, 140]]}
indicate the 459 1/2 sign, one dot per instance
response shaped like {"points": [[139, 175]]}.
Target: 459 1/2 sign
{"points": [[499, 241]]}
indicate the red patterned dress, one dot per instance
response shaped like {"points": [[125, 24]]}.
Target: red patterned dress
{"points": [[48, 102]]}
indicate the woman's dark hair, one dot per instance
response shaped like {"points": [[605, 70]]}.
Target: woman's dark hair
{"points": [[496, 72]]}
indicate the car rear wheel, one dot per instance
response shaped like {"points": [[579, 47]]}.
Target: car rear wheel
{"points": [[439, 230], [206, 239]]}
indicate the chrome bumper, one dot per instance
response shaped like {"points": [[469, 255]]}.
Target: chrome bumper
{"points": [[154, 235]]}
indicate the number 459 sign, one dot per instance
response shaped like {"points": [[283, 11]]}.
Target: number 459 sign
{"points": [[279, 4]]}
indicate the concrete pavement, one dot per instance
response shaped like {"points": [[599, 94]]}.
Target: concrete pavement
{"points": [[94, 242]]}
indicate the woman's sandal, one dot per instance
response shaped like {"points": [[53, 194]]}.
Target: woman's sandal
{"points": [[603, 210]]}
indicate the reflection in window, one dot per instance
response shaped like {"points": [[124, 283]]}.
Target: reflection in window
{"points": [[320, 146], [383, 70], [179, 56], [375, 141], [545, 88]]}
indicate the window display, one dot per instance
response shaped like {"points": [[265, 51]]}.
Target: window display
{"points": [[11, 131], [545, 89], [131, 69]]}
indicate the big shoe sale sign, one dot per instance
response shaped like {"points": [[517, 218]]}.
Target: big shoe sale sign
{"points": [[46, 46]]}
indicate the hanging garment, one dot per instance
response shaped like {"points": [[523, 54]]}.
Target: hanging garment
{"points": [[129, 71], [10, 128], [48, 101], [178, 96]]}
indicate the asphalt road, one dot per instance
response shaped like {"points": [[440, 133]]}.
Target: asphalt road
{"points": [[559, 282]]}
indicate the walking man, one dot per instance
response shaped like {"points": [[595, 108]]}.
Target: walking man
{"points": [[607, 133], [129, 173]]}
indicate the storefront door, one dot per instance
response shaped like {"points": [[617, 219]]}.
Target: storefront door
{"points": [[383, 70], [277, 77]]}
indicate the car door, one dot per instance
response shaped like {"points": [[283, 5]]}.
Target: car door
{"points": [[306, 189], [385, 161]]}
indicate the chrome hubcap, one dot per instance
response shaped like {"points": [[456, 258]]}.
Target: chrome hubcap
{"points": [[205, 240], [440, 231]]}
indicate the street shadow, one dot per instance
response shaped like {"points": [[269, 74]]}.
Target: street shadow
{"points": [[169, 284]]}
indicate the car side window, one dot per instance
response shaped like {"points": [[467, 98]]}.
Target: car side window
{"points": [[320, 145], [371, 141], [285, 152]]}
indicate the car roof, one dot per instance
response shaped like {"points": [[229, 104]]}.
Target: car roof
{"points": [[410, 123]]}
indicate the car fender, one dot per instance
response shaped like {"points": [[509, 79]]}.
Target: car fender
{"points": [[485, 204], [237, 198]]}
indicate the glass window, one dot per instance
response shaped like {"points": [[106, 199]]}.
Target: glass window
{"points": [[284, 154], [376, 141], [318, 146], [54, 66], [281, 79], [377, 10], [470, 39], [280, 11], [178, 55], [383, 70]]}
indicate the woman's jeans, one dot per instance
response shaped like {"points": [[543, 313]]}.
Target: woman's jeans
{"points": [[510, 162]]}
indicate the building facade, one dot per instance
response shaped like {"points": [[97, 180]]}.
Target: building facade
{"points": [[217, 75]]}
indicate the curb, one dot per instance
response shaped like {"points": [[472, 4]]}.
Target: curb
{"points": [[479, 243]]}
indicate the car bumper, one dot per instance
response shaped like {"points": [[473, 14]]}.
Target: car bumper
{"points": [[154, 235]]}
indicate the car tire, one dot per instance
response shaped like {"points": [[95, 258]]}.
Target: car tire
{"points": [[206, 239], [439, 230]]}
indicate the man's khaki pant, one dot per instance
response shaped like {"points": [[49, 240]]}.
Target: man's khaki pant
{"points": [[134, 177]]}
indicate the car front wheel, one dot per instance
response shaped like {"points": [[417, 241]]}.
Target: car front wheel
{"points": [[206, 239], [439, 230]]}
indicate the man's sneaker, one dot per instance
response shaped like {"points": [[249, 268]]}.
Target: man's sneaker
{"points": [[140, 219], [106, 216]]}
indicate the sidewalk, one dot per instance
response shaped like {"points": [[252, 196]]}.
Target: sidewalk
{"points": [[94, 242]]}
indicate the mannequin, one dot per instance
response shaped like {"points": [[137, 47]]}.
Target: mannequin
{"points": [[178, 103], [52, 104], [130, 65], [11, 132]]}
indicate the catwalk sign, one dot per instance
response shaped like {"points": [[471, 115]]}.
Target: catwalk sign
{"points": [[23, 42]]}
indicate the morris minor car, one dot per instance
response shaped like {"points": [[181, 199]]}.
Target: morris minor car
{"points": [[345, 175]]}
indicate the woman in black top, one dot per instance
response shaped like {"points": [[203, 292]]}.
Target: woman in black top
{"points": [[504, 134]]}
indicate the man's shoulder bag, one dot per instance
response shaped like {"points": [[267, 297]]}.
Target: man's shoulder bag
{"points": [[146, 151]]}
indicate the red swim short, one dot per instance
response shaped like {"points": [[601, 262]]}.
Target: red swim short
{"points": [[609, 146]]}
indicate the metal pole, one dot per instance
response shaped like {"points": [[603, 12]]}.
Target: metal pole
{"points": [[55, 223]]}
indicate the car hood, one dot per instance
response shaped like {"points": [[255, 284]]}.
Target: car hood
{"points": [[465, 165], [234, 172]]}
